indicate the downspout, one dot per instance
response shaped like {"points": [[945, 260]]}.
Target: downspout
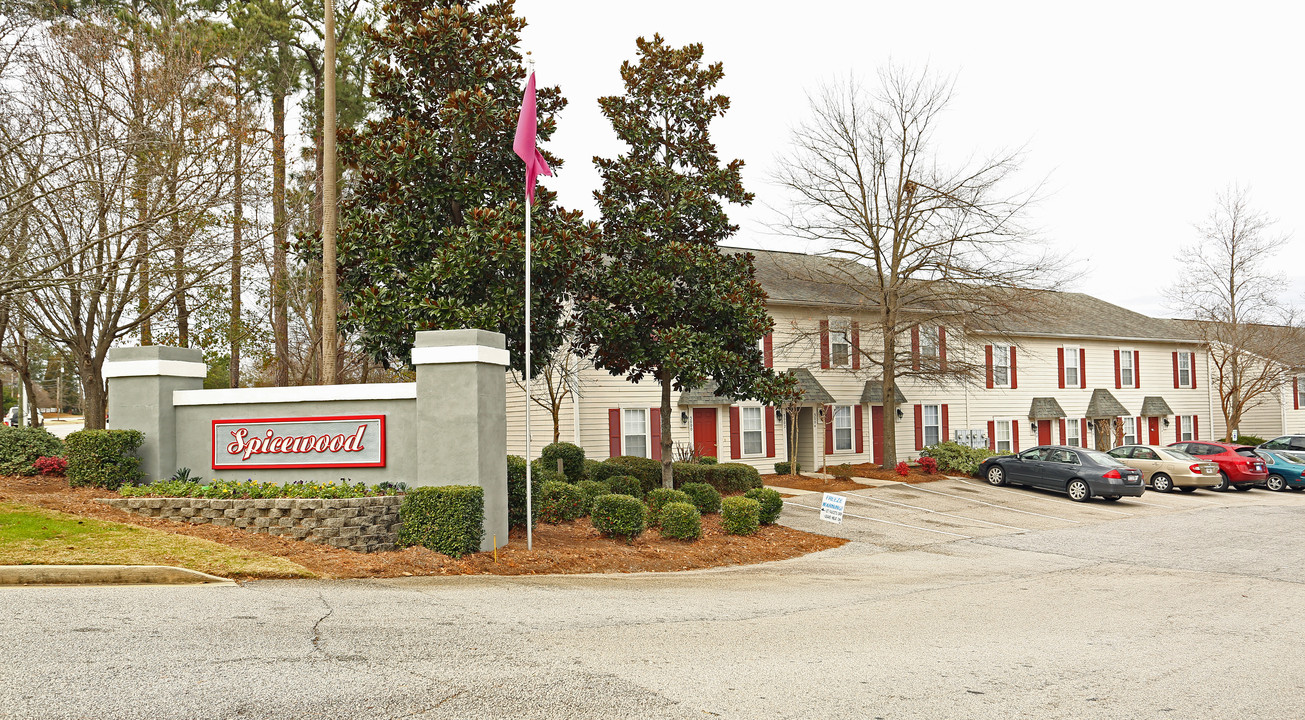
{"points": [[1209, 395], [575, 410]]}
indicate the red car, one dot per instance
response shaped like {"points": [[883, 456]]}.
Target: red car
{"points": [[1239, 467]]}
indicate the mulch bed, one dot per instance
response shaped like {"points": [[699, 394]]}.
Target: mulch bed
{"points": [[870, 470], [802, 482], [569, 548]]}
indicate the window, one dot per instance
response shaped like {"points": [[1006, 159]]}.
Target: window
{"points": [[750, 417], [1126, 369], [635, 431], [1130, 430], [1300, 391], [928, 342], [1184, 369], [1072, 433], [843, 427], [839, 348], [932, 425], [1001, 365], [1003, 436], [1185, 428], [1071, 368]]}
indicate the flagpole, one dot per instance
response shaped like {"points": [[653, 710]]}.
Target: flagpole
{"points": [[530, 525]]}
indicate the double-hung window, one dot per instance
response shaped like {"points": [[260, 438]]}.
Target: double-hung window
{"points": [[840, 350], [1072, 370], [1001, 365], [1185, 433], [1300, 391], [843, 427], [1072, 437], [1130, 430], [1184, 369], [932, 425], [929, 342], [1127, 373], [1003, 441], [635, 432], [750, 417]]}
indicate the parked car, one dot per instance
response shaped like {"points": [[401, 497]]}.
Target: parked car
{"points": [[1285, 469], [1167, 468], [1075, 471], [1239, 467], [1286, 442]]}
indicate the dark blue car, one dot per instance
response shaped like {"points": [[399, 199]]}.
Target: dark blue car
{"points": [[1075, 471]]}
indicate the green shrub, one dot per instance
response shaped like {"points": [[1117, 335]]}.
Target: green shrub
{"points": [[783, 468], [732, 477], [604, 471], [103, 458], [707, 460], [592, 471], [740, 515], [684, 472], [956, 457], [772, 504], [516, 469], [21, 446], [842, 472], [1246, 440], [560, 502], [572, 457], [590, 489], [619, 516], [659, 498], [648, 471], [626, 485], [681, 521], [448, 519], [703, 496]]}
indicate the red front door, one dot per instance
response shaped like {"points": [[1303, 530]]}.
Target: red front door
{"points": [[1154, 430], [1044, 432], [704, 431], [877, 432]]}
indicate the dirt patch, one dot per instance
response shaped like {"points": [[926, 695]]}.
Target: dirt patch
{"points": [[570, 548], [802, 482], [870, 470]]}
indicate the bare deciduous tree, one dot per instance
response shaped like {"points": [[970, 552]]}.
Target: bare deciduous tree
{"points": [[922, 242]]}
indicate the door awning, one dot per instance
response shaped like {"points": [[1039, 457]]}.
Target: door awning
{"points": [[1155, 406], [1104, 405], [1045, 408]]}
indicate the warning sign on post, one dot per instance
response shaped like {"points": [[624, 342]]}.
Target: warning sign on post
{"points": [[831, 508]]}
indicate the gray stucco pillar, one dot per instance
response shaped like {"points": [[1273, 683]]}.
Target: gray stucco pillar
{"points": [[462, 417], [141, 381]]}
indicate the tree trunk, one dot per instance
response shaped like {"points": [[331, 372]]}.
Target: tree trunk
{"points": [[237, 247], [139, 189], [889, 400], [667, 480], [94, 397], [280, 314]]}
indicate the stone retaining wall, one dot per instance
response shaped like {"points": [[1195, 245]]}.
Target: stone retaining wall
{"points": [[366, 524]]}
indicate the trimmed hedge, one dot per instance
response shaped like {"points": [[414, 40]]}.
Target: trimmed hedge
{"points": [[103, 458], [681, 521], [626, 485], [707, 460], [619, 516], [516, 477], [685, 473], [772, 504], [649, 472], [560, 502], [22, 446], [783, 468], [448, 519], [660, 498], [703, 496], [572, 457], [733, 477], [592, 470], [740, 515], [590, 489]]}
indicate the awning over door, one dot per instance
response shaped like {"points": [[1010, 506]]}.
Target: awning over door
{"points": [[1045, 408], [813, 393], [873, 394], [1104, 405], [1155, 406]]}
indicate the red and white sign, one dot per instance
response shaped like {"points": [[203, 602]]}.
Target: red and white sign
{"points": [[309, 442]]}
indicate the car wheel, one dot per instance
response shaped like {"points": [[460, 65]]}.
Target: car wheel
{"points": [[1242, 488], [1078, 491], [1110, 498], [1276, 483], [1187, 489], [1162, 483], [1223, 482], [996, 476]]}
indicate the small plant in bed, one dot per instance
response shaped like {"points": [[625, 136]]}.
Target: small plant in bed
{"points": [[252, 490]]}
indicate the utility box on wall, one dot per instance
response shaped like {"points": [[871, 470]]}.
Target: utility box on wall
{"points": [[971, 438]]}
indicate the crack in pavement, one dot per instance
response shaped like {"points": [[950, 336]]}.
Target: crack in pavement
{"points": [[329, 612]]}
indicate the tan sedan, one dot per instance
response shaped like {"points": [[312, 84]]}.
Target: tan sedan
{"points": [[1166, 468]]}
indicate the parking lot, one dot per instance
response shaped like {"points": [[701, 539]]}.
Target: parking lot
{"points": [[900, 516]]}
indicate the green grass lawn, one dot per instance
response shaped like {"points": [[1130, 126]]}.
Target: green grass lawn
{"points": [[35, 536]]}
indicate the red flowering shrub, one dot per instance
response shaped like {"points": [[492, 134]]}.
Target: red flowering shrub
{"points": [[903, 469], [50, 465], [929, 465]]}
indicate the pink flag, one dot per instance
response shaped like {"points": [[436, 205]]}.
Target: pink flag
{"points": [[524, 145]]}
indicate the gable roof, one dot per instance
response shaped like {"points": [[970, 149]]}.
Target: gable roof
{"points": [[1045, 408], [1104, 405]]}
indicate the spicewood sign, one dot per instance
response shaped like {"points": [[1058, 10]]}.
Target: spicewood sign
{"points": [[321, 442]]}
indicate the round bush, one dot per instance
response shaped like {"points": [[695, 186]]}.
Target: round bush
{"points": [[103, 458], [21, 446], [660, 498], [648, 471], [681, 521], [684, 472], [560, 502], [703, 496], [590, 489], [783, 468], [733, 477], [740, 515], [626, 485], [771, 504], [517, 492], [619, 516], [572, 457], [592, 470]]}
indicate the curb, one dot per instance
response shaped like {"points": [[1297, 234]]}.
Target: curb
{"points": [[11, 575]]}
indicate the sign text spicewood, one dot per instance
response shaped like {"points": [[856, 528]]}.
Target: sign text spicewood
{"points": [[319, 442]]}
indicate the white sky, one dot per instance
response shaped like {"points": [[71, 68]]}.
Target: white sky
{"points": [[1136, 113]]}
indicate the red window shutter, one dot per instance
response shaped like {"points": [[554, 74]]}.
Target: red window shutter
{"points": [[1014, 376], [1117, 371], [736, 447], [1175, 354], [992, 436], [859, 428], [829, 428], [824, 344], [1060, 362], [1138, 436], [1015, 435], [919, 427], [1137, 368], [770, 432], [915, 347], [613, 433], [1082, 367], [1062, 431], [1295, 393], [1191, 363], [1082, 432], [946, 426], [856, 345], [987, 361], [942, 348], [768, 350], [655, 419], [1178, 428], [1196, 427]]}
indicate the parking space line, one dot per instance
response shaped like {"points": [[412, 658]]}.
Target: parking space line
{"points": [[1057, 500], [886, 522], [937, 512], [994, 505]]}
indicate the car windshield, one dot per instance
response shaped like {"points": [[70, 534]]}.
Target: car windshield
{"points": [[1101, 458], [1177, 454]]}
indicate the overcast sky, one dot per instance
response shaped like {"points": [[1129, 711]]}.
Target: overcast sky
{"points": [[1135, 113]]}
